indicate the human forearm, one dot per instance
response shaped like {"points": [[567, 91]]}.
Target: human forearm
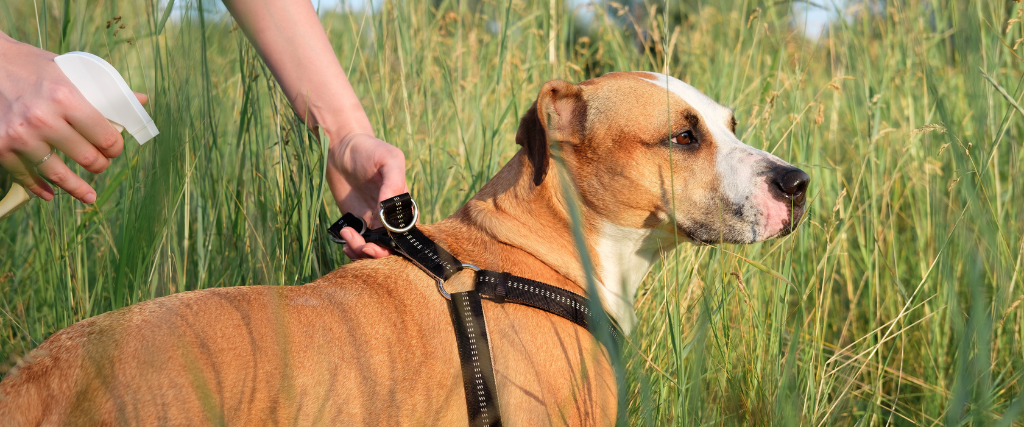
{"points": [[362, 170], [292, 42]]}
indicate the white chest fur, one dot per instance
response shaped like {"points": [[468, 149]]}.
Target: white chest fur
{"points": [[625, 256]]}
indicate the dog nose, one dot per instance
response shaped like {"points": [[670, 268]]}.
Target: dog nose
{"points": [[793, 183]]}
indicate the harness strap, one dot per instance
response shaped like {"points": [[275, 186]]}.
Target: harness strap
{"points": [[426, 254], [475, 354], [399, 213], [504, 287], [400, 235], [465, 309]]}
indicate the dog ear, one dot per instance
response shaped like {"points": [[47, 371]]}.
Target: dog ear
{"points": [[559, 114], [534, 140]]}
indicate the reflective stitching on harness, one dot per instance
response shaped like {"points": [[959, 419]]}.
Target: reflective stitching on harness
{"points": [[550, 294], [433, 255], [467, 316]]}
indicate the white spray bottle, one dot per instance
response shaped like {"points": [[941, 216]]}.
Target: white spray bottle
{"points": [[106, 90]]}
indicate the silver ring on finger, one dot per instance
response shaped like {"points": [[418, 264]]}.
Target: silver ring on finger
{"points": [[45, 158]]}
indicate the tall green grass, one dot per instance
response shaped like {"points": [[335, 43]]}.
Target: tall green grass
{"points": [[900, 300]]}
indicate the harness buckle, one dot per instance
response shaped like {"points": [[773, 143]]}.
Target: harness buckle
{"points": [[440, 283], [415, 217]]}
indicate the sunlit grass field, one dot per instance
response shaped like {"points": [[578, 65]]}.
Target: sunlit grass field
{"points": [[899, 301]]}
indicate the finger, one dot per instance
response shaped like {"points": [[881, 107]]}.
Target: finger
{"points": [[357, 248], [74, 145], [143, 98], [354, 243], [375, 251], [26, 177], [58, 173], [351, 254], [352, 238], [96, 129]]}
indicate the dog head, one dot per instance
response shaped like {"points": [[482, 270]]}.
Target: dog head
{"points": [[656, 162], [649, 152]]}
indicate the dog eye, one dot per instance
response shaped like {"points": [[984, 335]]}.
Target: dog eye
{"points": [[685, 138]]}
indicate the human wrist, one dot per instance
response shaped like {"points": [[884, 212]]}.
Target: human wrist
{"points": [[11, 48], [339, 136]]}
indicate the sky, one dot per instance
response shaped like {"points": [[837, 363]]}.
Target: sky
{"points": [[813, 16], [352, 4]]}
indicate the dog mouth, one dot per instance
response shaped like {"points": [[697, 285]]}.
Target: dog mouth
{"points": [[738, 230], [704, 234], [796, 215]]}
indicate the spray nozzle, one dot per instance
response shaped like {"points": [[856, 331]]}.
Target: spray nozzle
{"points": [[106, 90]]}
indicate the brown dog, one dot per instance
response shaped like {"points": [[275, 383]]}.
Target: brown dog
{"points": [[655, 161]]}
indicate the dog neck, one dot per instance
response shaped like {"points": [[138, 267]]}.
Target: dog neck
{"points": [[534, 219], [625, 255]]}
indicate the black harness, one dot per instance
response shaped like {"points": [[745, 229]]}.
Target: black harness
{"points": [[399, 215]]}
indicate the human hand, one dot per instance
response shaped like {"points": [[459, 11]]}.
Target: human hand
{"points": [[41, 110], [362, 172]]}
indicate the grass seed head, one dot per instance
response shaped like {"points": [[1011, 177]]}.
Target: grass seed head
{"points": [[931, 127]]}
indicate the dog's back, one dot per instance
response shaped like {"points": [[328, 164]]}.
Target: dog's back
{"points": [[368, 344], [243, 356]]}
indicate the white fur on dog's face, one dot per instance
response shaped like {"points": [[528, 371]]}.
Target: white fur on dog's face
{"points": [[750, 212]]}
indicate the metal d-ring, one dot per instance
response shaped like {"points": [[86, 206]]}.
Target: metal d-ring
{"points": [[415, 216], [440, 283], [440, 288]]}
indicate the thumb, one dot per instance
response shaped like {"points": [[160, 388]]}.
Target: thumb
{"points": [[143, 98], [394, 183]]}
